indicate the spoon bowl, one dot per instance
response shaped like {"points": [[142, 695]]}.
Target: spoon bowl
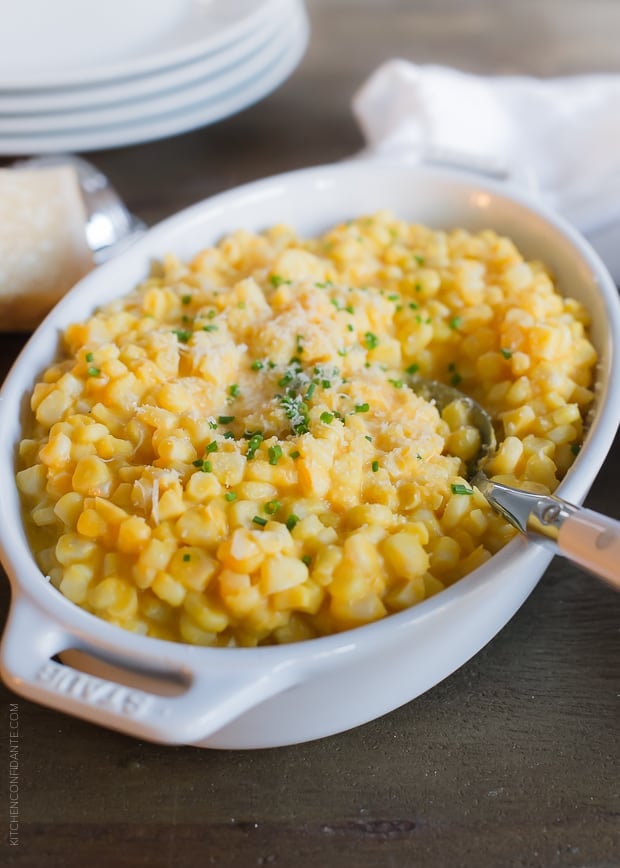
{"points": [[586, 537]]}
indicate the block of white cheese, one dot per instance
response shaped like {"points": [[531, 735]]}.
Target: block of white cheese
{"points": [[43, 247]]}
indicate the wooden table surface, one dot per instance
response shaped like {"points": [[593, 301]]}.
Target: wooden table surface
{"points": [[513, 760]]}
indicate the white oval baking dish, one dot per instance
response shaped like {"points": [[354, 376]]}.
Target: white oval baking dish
{"points": [[269, 696]]}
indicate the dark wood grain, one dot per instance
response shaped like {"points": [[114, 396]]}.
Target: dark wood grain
{"points": [[513, 760]]}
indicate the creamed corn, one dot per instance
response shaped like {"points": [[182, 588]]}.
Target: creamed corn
{"points": [[230, 455]]}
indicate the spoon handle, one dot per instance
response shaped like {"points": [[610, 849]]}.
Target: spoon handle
{"points": [[592, 541]]}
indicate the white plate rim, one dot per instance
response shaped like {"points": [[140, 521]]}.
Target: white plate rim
{"points": [[146, 109], [156, 60], [174, 123], [124, 90]]}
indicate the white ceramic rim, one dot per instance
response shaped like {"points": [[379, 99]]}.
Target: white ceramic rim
{"points": [[208, 111], [146, 109], [27, 104], [113, 643], [195, 40]]}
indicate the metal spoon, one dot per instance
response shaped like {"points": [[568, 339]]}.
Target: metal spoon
{"points": [[583, 536]]}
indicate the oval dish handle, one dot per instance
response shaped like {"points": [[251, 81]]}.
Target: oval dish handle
{"points": [[211, 700]]}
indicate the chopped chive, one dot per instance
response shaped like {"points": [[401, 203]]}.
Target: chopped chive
{"points": [[277, 280], [394, 297], [459, 488], [375, 466], [326, 417], [398, 384], [257, 365], [210, 328], [413, 368], [350, 309], [89, 357], [455, 322], [418, 258], [507, 354], [211, 314], [255, 441], [259, 520], [186, 299], [291, 521], [362, 408], [418, 287], [234, 390], [93, 371], [413, 305], [368, 437], [295, 454], [212, 424], [327, 384], [342, 352], [229, 435], [275, 453], [349, 327], [455, 379], [183, 335], [371, 340], [230, 496], [311, 391], [307, 560], [272, 507], [225, 420], [211, 447], [187, 558]]}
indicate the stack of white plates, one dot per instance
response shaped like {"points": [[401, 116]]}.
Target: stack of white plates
{"points": [[81, 76]]}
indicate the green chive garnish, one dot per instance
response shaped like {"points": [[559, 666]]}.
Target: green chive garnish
{"points": [[187, 558], [275, 453], [260, 521], [234, 390], [370, 340], [230, 496], [89, 357], [375, 466], [507, 354], [276, 280], [362, 408], [93, 371], [459, 488], [291, 521], [326, 417], [225, 420], [272, 507], [186, 299]]}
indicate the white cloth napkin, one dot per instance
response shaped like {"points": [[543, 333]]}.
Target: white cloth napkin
{"points": [[558, 137]]}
